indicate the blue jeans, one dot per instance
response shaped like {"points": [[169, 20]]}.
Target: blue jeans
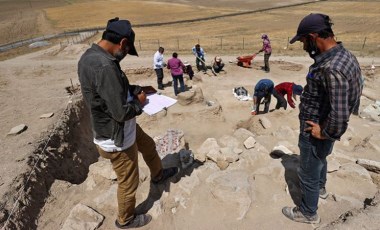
{"points": [[181, 83], [313, 170]]}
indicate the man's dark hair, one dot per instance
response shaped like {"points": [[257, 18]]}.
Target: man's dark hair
{"points": [[112, 37], [325, 33], [175, 55]]}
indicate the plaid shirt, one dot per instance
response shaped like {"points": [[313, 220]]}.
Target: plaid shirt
{"points": [[332, 90]]}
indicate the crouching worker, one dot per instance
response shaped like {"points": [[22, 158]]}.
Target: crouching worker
{"points": [[188, 70], [263, 90], [291, 90], [217, 64], [114, 105]]}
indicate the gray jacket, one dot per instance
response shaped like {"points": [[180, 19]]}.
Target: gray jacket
{"points": [[105, 90]]}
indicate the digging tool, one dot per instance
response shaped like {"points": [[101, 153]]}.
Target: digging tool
{"points": [[212, 69]]}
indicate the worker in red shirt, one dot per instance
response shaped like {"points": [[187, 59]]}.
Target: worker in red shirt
{"points": [[291, 90]]}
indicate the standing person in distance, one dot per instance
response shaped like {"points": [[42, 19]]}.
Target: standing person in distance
{"points": [[158, 65], [114, 105], [176, 68], [199, 57], [333, 88], [267, 49]]}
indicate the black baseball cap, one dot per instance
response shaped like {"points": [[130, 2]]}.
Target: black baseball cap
{"points": [[124, 29], [312, 23]]}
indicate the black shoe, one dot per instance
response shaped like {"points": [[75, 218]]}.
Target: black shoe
{"points": [[166, 174], [161, 87], [136, 222]]}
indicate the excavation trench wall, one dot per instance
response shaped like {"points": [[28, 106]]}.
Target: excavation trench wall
{"points": [[65, 154]]}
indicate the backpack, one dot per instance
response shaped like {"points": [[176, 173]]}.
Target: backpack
{"points": [[240, 91]]}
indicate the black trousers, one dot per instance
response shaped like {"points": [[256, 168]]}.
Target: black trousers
{"points": [[267, 100], [266, 62], [160, 77], [281, 101]]}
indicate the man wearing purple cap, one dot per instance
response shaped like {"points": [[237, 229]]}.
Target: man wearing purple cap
{"points": [[333, 89], [114, 105]]}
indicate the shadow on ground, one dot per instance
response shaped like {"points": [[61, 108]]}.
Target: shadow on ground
{"points": [[156, 190], [291, 164]]}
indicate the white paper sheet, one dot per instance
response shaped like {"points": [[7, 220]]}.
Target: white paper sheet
{"points": [[156, 103]]}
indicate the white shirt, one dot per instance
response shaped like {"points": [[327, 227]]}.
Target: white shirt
{"points": [[158, 60], [108, 145]]}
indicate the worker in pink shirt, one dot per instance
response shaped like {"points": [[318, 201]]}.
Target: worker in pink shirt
{"points": [[176, 68], [267, 49]]}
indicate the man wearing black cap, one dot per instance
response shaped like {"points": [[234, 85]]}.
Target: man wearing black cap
{"points": [[329, 97], [114, 105]]}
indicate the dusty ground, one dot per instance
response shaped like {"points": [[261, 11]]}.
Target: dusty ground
{"points": [[39, 86], [45, 81]]}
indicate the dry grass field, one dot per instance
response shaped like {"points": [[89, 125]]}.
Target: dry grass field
{"points": [[356, 22]]}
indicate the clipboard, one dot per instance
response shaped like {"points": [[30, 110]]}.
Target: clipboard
{"points": [[148, 89]]}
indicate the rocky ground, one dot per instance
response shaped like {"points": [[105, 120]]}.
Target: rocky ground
{"points": [[244, 170]]}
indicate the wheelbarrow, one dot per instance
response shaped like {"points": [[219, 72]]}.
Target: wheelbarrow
{"points": [[245, 61]]}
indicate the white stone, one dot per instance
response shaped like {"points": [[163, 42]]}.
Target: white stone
{"points": [[265, 122], [281, 148], [207, 146], [215, 155], [250, 142], [237, 151], [103, 168], [83, 217], [232, 187], [90, 183], [284, 132], [46, 115], [352, 170], [229, 155], [242, 134], [332, 165], [17, 130], [229, 141], [370, 165], [107, 198]]}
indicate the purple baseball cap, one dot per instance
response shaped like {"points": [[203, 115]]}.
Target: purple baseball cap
{"points": [[123, 28], [312, 23]]}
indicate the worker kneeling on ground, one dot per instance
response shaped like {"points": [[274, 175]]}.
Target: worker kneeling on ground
{"points": [[217, 64]]}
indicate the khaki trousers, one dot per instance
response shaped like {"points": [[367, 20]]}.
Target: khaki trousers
{"points": [[125, 164]]}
